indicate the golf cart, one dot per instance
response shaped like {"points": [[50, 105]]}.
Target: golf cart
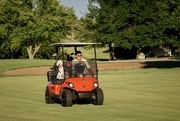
{"points": [[71, 82]]}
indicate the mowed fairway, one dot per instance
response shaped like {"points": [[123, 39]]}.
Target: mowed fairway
{"points": [[130, 95]]}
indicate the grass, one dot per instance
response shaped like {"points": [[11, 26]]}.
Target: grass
{"points": [[11, 64], [149, 94]]}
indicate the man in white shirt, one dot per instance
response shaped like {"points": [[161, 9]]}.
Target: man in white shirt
{"points": [[79, 64]]}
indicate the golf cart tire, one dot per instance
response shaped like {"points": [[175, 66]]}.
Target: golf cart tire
{"points": [[66, 99], [48, 98], [98, 97]]}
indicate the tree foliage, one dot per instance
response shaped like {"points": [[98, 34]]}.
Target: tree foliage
{"points": [[27, 27], [31, 24], [136, 23]]}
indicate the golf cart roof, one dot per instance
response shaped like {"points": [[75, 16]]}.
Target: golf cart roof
{"points": [[74, 44]]}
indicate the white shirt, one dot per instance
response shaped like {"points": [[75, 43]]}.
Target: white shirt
{"points": [[82, 60]]}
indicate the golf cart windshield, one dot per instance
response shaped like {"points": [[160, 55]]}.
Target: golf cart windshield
{"points": [[78, 69], [68, 68]]}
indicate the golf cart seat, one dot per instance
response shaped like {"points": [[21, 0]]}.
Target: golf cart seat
{"points": [[58, 77], [68, 68]]}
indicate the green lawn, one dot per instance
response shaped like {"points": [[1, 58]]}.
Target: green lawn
{"points": [[130, 95], [11, 64], [88, 53]]}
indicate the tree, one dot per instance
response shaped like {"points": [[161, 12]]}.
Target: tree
{"points": [[87, 25], [72, 25], [169, 13], [32, 23], [47, 25], [8, 20], [86, 29], [136, 23]]}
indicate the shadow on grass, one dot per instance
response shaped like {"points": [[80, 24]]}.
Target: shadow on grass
{"points": [[100, 59], [162, 64]]}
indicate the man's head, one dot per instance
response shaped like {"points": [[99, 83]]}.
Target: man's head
{"points": [[78, 55]]}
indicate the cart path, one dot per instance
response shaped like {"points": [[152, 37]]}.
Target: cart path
{"points": [[101, 66]]}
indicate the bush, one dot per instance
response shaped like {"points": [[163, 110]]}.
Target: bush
{"points": [[121, 53]]}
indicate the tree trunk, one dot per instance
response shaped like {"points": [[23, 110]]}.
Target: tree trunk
{"points": [[29, 50], [137, 52], [110, 47], [72, 34], [32, 53], [111, 55]]}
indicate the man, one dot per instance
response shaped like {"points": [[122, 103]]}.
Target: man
{"points": [[79, 64]]}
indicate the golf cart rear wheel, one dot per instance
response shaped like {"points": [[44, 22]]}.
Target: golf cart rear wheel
{"points": [[98, 97], [66, 99], [48, 98]]}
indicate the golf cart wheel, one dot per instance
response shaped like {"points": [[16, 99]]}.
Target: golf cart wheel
{"points": [[48, 98], [66, 99], [98, 97]]}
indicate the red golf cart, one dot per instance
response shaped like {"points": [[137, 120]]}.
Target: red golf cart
{"points": [[71, 82]]}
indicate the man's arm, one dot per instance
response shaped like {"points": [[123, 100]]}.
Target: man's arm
{"points": [[89, 69]]}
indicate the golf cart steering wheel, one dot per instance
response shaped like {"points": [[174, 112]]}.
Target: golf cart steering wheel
{"points": [[79, 68]]}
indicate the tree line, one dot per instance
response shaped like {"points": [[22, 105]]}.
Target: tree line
{"points": [[27, 27]]}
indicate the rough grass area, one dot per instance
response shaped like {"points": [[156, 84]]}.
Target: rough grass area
{"points": [[10, 64], [130, 95]]}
